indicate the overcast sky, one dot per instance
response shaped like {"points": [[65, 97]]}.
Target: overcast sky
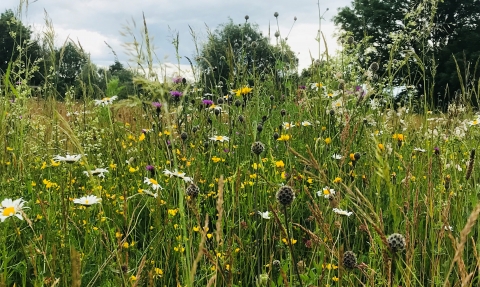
{"points": [[94, 22]]}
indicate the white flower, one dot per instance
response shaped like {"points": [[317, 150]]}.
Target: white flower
{"points": [[448, 228], [474, 122], [264, 215], [178, 174], [419, 149], [96, 172], [148, 192], [220, 139], [87, 200], [342, 212], [306, 123], [10, 207], [68, 158], [326, 192], [287, 126], [105, 101], [316, 86], [153, 183], [337, 156]]}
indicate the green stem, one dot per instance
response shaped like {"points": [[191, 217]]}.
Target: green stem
{"points": [[289, 243]]}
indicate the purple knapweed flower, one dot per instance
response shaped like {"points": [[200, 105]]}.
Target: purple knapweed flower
{"points": [[207, 102], [177, 80], [176, 94], [151, 169], [156, 105]]}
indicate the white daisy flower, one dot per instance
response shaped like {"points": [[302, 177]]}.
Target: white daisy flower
{"points": [[419, 149], [220, 139], [326, 192], [342, 212], [306, 123], [96, 172], [264, 215], [105, 101], [148, 192], [153, 183], [178, 174], [10, 208], [87, 200], [448, 228], [337, 156], [68, 158], [287, 125]]}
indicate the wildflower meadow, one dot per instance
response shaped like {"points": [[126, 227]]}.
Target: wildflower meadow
{"points": [[264, 179]]}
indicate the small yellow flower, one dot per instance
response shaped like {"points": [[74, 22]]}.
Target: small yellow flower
{"points": [[132, 170], [133, 278], [328, 140], [158, 272], [196, 228], [54, 163], [399, 137], [284, 138], [280, 164], [125, 245], [243, 91], [381, 147], [141, 137], [337, 180]]}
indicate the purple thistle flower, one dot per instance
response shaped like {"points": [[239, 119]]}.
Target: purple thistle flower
{"points": [[176, 94]]}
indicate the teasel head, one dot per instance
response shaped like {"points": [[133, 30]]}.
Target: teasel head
{"points": [[470, 165]]}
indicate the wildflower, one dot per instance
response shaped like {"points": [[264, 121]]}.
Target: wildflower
{"points": [[207, 102], [179, 174], [177, 80], [243, 91], [148, 192], [264, 215], [337, 156], [306, 123], [10, 207], [68, 158], [284, 138], [176, 94], [192, 190], [316, 86], [158, 272], [381, 147], [326, 192], [474, 122], [342, 212], [328, 140], [287, 126], [257, 148], [293, 241], [419, 149], [220, 138], [399, 137], [396, 242], [337, 180], [153, 183], [151, 169], [105, 101], [280, 164], [87, 200], [96, 172]]}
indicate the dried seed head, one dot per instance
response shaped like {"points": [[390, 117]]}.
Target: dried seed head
{"points": [[374, 67], [396, 242], [192, 190], [259, 128], [275, 14], [247, 17], [184, 136], [349, 260], [357, 156], [350, 40], [257, 148], [276, 136], [277, 34], [285, 195]]}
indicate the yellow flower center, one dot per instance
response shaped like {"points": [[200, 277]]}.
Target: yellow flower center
{"points": [[153, 181], [9, 211], [86, 201], [218, 138]]}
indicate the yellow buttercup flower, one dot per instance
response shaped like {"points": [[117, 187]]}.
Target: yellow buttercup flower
{"points": [[243, 91]]}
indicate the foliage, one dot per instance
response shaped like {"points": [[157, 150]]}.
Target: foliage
{"points": [[236, 54], [414, 41]]}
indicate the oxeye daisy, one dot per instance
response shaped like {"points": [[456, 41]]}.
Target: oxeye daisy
{"points": [[220, 139], [96, 172], [342, 212], [178, 174], [87, 200], [326, 192], [68, 158], [264, 215], [306, 123], [153, 183], [105, 101], [287, 125], [10, 208]]}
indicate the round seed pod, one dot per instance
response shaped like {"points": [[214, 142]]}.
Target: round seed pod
{"points": [[374, 67], [285, 195], [349, 260], [257, 148], [357, 156], [396, 242], [259, 127], [241, 118], [247, 17], [192, 190], [276, 136], [275, 14]]}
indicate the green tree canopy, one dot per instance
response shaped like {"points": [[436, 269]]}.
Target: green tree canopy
{"points": [[434, 30], [236, 54]]}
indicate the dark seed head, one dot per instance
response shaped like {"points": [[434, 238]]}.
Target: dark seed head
{"points": [[283, 112], [275, 14], [272, 98], [247, 17], [357, 156], [374, 67], [195, 129], [257, 148], [332, 112], [276, 136], [238, 103], [220, 101], [241, 118], [192, 190], [396, 242], [184, 136], [259, 128], [349, 260], [285, 195]]}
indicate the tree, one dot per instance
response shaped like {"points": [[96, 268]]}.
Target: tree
{"points": [[70, 62], [401, 30], [238, 54]]}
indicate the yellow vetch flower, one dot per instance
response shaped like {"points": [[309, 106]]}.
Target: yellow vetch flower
{"points": [[280, 164], [284, 138], [141, 137], [337, 180]]}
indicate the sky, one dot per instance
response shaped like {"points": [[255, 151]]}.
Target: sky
{"points": [[94, 22]]}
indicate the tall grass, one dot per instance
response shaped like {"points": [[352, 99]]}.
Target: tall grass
{"points": [[395, 171]]}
